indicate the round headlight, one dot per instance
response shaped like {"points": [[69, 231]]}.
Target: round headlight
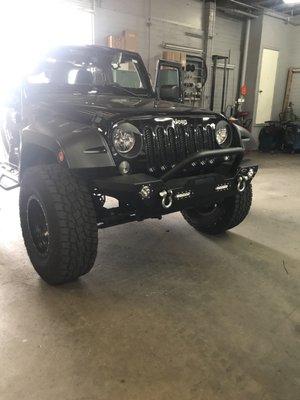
{"points": [[123, 140], [223, 134], [127, 140]]}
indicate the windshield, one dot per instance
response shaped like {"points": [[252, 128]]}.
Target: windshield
{"points": [[102, 69]]}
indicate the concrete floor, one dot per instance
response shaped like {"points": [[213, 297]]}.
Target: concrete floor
{"points": [[166, 313]]}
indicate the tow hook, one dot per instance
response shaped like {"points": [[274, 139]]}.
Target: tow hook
{"points": [[243, 179], [241, 186], [167, 198]]}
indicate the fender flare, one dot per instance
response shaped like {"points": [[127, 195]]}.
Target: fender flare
{"points": [[84, 147], [244, 134]]}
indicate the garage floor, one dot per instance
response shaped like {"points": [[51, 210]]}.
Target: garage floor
{"points": [[166, 313]]}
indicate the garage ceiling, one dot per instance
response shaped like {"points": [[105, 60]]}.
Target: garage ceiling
{"points": [[256, 6]]}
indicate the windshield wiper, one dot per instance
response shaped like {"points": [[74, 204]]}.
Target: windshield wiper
{"points": [[117, 86]]}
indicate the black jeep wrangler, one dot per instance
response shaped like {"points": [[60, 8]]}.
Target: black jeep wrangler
{"points": [[87, 124]]}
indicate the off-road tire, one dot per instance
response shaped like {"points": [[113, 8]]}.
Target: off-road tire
{"points": [[226, 214], [71, 221]]}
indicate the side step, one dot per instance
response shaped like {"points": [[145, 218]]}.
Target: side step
{"points": [[9, 176]]}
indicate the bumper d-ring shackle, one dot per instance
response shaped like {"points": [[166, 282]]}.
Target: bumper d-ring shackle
{"points": [[241, 186], [243, 179], [167, 198]]}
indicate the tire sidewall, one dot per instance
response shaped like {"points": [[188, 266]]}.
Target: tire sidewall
{"points": [[37, 188], [232, 211], [205, 219]]}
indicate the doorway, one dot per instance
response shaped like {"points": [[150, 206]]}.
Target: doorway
{"points": [[266, 85]]}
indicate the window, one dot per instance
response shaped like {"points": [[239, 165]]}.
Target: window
{"points": [[98, 68], [126, 74], [169, 76]]}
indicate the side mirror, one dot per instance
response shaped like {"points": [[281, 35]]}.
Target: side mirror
{"points": [[168, 81]]}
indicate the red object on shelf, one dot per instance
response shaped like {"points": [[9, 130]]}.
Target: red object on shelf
{"points": [[244, 90]]}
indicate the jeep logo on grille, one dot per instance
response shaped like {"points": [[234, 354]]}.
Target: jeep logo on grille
{"points": [[180, 121]]}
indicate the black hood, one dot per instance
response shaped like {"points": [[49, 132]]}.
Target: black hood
{"points": [[130, 105], [112, 107]]}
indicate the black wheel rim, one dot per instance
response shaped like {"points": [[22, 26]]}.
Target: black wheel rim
{"points": [[208, 209], [38, 226]]}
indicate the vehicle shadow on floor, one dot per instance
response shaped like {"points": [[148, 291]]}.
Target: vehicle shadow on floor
{"points": [[129, 258]]}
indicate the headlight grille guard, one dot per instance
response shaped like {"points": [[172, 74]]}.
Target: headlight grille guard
{"points": [[202, 155]]}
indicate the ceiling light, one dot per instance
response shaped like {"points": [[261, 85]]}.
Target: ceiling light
{"points": [[292, 2]]}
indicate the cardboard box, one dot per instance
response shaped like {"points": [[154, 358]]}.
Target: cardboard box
{"points": [[176, 56], [116, 42], [126, 41], [110, 41], [130, 41]]}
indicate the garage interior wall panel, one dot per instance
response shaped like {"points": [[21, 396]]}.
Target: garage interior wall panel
{"points": [[169, 32], [228, 41], [115, 16], [159, 21], [295, 62], [154, 22]]}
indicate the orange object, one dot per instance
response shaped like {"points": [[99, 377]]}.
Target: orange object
{"points": [[61, 156], [244, 90]]}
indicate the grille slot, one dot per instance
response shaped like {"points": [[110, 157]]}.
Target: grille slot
{"points": [[166, 146]]}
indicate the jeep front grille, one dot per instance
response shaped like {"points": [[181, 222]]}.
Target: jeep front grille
{"points": [[166, 146]]}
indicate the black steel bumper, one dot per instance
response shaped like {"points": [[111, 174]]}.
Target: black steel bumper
{"points": [[150, 196]]}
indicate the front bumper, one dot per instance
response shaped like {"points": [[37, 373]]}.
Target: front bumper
{"points": [[148, 196]]}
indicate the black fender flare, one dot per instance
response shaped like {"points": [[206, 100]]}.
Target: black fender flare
{"points": [[244, 134], [83, 146]]}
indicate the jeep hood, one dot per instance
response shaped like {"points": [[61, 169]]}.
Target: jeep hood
{"points": [[129, 105], [85, 108]]}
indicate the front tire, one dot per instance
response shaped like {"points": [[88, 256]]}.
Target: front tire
{"points": [[58, 223], [220, 217]]}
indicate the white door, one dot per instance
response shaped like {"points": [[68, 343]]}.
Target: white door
{"points": [[266, 85]]}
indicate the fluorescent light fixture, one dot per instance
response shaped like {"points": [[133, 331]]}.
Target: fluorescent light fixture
{"points": [[171, 46], [292, 2]]}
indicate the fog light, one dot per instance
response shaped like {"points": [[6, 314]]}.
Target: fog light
{"points": [[124, 167], [250, 173], [145, 192]]}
